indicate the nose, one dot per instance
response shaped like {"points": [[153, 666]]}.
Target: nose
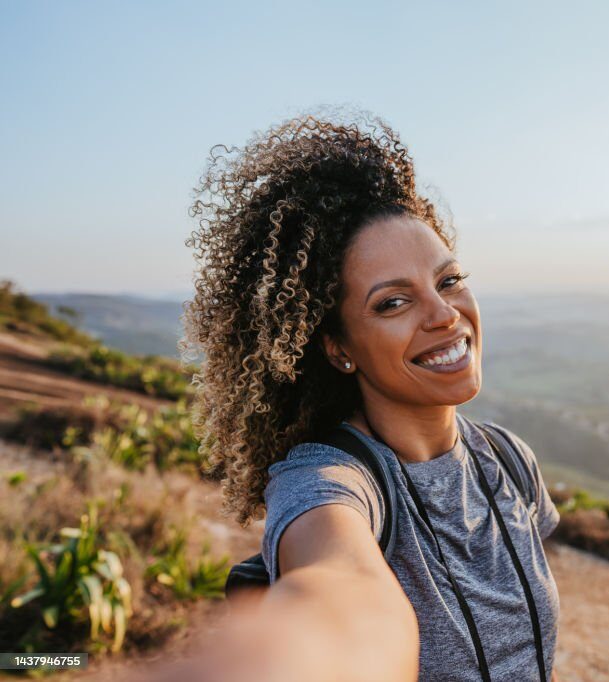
{"points": [[439, 313]]}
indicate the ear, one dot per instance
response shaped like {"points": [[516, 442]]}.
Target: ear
{"points": [[335, 354]]}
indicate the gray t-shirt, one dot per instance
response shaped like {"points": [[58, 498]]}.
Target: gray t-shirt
{"points": [[315, 474]]}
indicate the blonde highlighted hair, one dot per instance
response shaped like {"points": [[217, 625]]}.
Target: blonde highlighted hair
{"points": [[275, 219]]}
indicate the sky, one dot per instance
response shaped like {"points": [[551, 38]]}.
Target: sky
{"points": [[109, 110]]}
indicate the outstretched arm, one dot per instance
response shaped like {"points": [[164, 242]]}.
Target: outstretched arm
{"points": [[337, 614]]}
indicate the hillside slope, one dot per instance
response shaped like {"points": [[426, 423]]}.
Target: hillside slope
{"points": [[24, 379]]}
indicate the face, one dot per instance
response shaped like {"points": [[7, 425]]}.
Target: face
{"points": [[412, 326]]}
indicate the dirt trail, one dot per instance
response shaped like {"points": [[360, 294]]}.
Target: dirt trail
{"points": [[583, 635], [24, 378]]}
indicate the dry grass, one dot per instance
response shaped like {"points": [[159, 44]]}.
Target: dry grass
{"points": [[137, 511]]}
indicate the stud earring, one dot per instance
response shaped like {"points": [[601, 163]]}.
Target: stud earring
{"points": [[347, 365]]}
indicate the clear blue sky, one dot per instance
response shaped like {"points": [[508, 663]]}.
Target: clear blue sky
{"points": [[109, 109]]}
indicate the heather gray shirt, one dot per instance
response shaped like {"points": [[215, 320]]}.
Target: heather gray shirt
{"points": [[315, 474]]}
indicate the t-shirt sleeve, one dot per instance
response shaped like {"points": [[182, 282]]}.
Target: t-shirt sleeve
{"points": [[312, 475], [546, 514]]}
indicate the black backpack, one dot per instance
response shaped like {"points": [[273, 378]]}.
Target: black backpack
{"points": [[252, 572]]}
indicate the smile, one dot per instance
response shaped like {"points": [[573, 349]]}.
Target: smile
{"points": [[450, 359]]}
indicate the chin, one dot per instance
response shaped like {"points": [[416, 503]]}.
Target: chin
{"points": [[469, 398], [472, 391], [463, 394]]}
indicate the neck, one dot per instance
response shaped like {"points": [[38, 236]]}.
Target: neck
{"points": [[415, 433]]}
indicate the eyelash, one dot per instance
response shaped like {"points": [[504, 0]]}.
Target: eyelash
{"points": [[459, 277]]}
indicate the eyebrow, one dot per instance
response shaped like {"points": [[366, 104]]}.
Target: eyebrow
{"points": [[403, 282]]}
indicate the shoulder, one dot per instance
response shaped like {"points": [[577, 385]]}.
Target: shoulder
{"points": [[526, 456], [314, 474], [316, 470], [542, 509], [325, 459]]}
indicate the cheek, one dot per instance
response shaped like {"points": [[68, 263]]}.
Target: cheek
{"points": [[468, 306], [383, 348]]}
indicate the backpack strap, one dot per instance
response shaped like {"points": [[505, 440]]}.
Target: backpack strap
{"points": [[350, 440], [510, 455]]}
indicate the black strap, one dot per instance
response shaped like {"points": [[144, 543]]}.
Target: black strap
{"points": [[467, 614], [349, 440], [516, 561], [507, 453]]}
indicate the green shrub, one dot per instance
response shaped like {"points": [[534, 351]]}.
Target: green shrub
{"points": [[16, 478], [52, 427], [164, 438], [581, 499], [575, 499], [19, 312], [205, 578], [77, 577], [153, 375]]}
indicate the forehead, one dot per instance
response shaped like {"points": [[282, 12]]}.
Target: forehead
{"points": [[395, 247]]}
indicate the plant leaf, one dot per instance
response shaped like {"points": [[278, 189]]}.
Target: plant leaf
{"points": [[50, 615], [106, 615], [42, 571], [94, 615], [113, 563], [120, 624], [124, 589], [70, 532], [22, 599]]}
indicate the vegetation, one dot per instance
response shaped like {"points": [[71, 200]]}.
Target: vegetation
{"points": [[118, 576], [164, 438], [127, 434], [584, 520], [118, 580], [76, 576], [21, 313], [53, 428], [153, 375], [574, 500], [87, 358], [205, 578]]}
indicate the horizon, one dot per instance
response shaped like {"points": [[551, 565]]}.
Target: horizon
{"points": [[180, 296]]}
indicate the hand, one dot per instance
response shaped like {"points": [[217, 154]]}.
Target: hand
{"points": [[271, 645], [266, 641]]}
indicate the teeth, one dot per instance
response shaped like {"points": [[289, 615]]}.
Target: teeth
{"points": [[451, 355]]}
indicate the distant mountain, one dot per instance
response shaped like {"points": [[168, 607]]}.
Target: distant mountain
{"points": [[136, 325], [545, 376]]}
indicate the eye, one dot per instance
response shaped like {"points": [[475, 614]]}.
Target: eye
{"points": [[385, 304], [453, 280], [449, 282]]}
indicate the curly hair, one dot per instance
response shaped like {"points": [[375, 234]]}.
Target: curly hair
{"points": [[275, 220]]}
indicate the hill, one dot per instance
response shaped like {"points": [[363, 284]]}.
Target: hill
{"points": [[135, 325]]}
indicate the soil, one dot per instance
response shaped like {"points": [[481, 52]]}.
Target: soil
{"points": [[24, 378]]}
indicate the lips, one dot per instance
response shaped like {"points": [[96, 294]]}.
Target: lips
{"points": [[441, 346]]}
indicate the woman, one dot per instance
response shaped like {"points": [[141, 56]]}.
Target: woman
{"points": [[329, 291]]}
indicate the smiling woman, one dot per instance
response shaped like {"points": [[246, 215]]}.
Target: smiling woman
{"points": [[417, 337], [329, 294]]}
